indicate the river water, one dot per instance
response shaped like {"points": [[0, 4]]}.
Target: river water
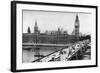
{"points": [[28, 55]]}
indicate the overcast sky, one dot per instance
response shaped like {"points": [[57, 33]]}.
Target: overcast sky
{"points": [[47, 20]]}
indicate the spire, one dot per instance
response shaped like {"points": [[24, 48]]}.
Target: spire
{"points": [[77, 19], [77, 27], [28, 30], [36, 28]]}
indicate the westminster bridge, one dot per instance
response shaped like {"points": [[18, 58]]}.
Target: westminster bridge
{"points": [[68, 52]]}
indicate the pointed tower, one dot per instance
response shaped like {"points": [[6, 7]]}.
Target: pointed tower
{"points": [[28, 30], [77, 27], [36, 28]]}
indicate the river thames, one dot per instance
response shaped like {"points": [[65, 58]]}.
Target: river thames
{"points": [[29, 53]]}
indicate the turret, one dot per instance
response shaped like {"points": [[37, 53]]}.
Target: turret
{"points": [[77, 27]]}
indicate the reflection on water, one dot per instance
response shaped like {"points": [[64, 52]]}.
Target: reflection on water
{"points": [[29, 54]]}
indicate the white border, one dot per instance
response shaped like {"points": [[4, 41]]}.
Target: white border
{"points": [[21, 65]]}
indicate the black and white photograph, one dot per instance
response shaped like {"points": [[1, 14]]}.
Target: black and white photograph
{"points": [[55, 36], [47, 36]]}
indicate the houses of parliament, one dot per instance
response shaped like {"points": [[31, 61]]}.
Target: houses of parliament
{"points": [[51, 37]]}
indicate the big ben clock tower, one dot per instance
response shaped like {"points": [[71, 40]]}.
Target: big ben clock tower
{"points": [[77, 27]]}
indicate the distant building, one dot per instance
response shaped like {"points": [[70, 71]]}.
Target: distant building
{"points": [[57, 32], [36, 30], [54, 37]]}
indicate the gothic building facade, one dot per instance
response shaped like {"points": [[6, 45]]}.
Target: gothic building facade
{"points": [[57, 37]]}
